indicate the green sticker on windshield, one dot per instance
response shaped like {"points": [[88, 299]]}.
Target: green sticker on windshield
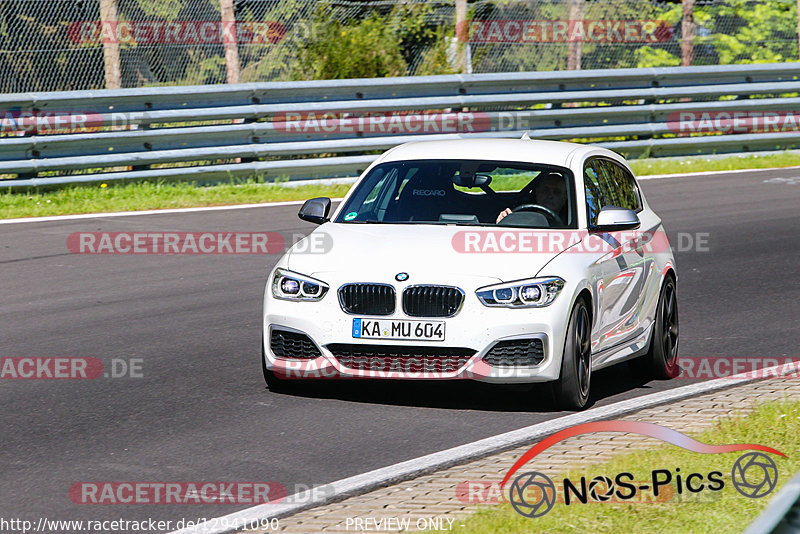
{"points": [[350, 216]]}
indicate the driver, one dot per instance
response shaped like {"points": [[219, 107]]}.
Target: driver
{"points": [[549, 191]]}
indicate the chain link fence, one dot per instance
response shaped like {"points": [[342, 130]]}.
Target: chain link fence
{"points": [[56, 45]]}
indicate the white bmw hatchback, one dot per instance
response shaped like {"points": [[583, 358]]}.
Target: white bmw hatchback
{"points": [[505, 261]]}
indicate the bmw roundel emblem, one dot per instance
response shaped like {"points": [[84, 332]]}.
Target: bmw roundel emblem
{"points": [[401, 277]]}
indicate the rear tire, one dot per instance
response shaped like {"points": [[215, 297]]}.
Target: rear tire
{"points": [[571, 390], [661, 360]]}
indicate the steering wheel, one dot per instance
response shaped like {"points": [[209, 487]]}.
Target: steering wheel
{"points": [[550, 214]]}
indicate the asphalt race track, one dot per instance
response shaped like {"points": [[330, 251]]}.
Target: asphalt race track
{"points": [[201, 412]]}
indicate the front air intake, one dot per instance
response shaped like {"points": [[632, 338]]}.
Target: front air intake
{"points": [[516, 353], [293, 345], [401, 358]]}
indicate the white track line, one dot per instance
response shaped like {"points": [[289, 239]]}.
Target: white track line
{"points": [[148, 212], [393, 474], [298, 202]]}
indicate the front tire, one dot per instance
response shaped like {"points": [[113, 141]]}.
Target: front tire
{"points": [[661, 360], [571, 390]]}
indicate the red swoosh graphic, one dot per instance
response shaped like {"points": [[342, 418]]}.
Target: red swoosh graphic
{"points": [[634, 427]]}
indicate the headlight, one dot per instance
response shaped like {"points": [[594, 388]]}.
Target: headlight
{"points": [[294, 286], [533, 293]]}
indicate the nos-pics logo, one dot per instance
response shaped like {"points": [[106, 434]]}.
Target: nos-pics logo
{"points": [[533, 494]]}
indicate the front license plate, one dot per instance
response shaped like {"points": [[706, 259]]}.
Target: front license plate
{"points": [[398, 329]]}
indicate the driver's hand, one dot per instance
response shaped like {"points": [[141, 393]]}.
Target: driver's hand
{"points": [[503, 215]]}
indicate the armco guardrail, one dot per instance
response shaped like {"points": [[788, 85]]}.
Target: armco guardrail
{"points": [[233, 131], [782, 514]]}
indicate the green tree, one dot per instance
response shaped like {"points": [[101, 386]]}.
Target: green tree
{"points": [[368, 48], [742, 31]]}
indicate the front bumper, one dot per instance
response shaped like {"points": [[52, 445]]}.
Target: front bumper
{"points": [[476, 328]]}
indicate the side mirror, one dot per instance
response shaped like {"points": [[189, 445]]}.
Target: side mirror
{"points": [[315, 210], [613, 219]]}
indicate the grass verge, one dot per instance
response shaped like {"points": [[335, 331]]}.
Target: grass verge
{"points": [[705, 163], [775, 424], [147, 195]]}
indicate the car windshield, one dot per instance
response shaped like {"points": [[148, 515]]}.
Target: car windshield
{"points": [[464, 192]]}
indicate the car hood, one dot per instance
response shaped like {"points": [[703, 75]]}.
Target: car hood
{"points": [[430, 253]]}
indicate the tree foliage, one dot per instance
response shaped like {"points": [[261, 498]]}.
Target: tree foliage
{"points": [[347, 39], [366, 49]]}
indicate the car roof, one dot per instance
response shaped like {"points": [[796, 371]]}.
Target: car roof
{"points": [[520, 150]]}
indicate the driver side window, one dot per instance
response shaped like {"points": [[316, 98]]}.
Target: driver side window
{"points": [[607, 184], [595, 199]]}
